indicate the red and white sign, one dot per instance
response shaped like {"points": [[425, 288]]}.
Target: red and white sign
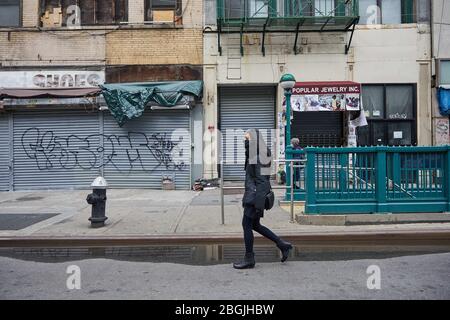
{"points": [[338, 87], [326, 96]]}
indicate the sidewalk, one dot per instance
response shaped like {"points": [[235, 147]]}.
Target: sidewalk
{"points": [[160, 213]]}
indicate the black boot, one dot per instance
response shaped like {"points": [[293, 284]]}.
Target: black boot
{"points": [[247, 263], [285, 247]]}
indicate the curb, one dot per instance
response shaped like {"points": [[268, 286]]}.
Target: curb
{"points": [[371, 219], [387, 237]]}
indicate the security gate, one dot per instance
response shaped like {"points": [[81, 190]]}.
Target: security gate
{"points": [[147, 149], [243, 108], [318, 128], [4, 152], [55, 150], [69, 149]]}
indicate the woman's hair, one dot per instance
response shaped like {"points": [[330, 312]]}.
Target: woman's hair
{"points": [[259, 153]]}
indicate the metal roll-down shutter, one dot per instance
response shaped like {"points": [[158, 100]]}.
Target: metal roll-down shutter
{"points": [[243, 108], [55, 149], [318, 128], [148, 148]]}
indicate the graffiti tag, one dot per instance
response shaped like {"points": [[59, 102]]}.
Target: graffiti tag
{"points": [[132, 151]]}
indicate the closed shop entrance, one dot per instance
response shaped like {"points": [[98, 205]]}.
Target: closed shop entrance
{"points": [[68, 149], [318, 128], [242, 108]]}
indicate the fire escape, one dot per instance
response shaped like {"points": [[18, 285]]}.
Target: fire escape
{"points": [[285, 16]]}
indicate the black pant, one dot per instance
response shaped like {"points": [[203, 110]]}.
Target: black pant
{"points": [[249, 224]]}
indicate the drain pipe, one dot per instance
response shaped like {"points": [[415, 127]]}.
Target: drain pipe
{"points": [[222, 198]]}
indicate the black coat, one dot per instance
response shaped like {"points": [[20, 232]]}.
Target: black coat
{"points": [[257, 186]]}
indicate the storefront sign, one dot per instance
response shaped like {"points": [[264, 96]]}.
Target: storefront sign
{"points": [[51, 79], [50, 101], [325, 88], [326, 96]]}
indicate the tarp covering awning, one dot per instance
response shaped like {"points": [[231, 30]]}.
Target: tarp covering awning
{"points": [[128, 100], [48, 92]]}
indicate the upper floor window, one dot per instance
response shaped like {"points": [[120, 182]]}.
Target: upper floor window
{"points": [[318, 8], [387, 11], [57, 13], [10, 13], [234, 9], [444, 72], [162, 11]]}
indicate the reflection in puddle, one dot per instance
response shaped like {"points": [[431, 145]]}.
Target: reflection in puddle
{"points": [[215, 253]]}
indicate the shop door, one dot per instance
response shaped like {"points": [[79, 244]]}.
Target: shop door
{"points": [[242, 108], [318, 128]]}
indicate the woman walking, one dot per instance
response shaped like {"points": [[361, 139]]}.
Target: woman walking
{"points": [[257, 186]]}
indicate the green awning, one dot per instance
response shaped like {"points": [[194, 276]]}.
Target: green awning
{"points": [[128, 100]]}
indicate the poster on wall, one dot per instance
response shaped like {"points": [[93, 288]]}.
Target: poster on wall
{"points": [[442, 131], [326, 96], [281, 126], [352, 102]]}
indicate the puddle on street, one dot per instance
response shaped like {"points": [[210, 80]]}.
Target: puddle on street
{"points": [[215, 253]]}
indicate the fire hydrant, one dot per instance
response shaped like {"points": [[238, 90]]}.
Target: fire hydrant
{"points": [[98, 201]]}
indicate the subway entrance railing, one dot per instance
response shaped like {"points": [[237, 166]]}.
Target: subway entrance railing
{"points": [[372, 180]]}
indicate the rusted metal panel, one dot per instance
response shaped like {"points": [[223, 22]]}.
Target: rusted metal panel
{"points": [[141, 73]]}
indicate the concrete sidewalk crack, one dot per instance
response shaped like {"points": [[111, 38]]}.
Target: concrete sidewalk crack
{"points": [[174, 227]]}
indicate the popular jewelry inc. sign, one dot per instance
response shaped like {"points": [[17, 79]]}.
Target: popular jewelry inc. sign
{"points": [[51, 79], [326, 96]]}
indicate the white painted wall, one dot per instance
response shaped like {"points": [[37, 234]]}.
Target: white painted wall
{"points": [[441, 50]]}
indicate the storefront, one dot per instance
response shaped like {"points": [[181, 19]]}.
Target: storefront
{"points": [[241, 108], [322, 113], [53, 142], [391, 112]]}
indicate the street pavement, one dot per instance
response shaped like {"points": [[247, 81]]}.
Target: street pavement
{"points": [[141, 213], [405, 277]]}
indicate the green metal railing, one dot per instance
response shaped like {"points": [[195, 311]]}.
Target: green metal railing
{"points": [[305, 14], [374, 179]]}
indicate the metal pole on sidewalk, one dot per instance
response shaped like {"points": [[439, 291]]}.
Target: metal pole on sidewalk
{"points": [[291, 164], [222, 205]]}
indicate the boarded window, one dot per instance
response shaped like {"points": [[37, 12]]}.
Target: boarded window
{"points": [[163, 10], [9, 13], [92, 12]]}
